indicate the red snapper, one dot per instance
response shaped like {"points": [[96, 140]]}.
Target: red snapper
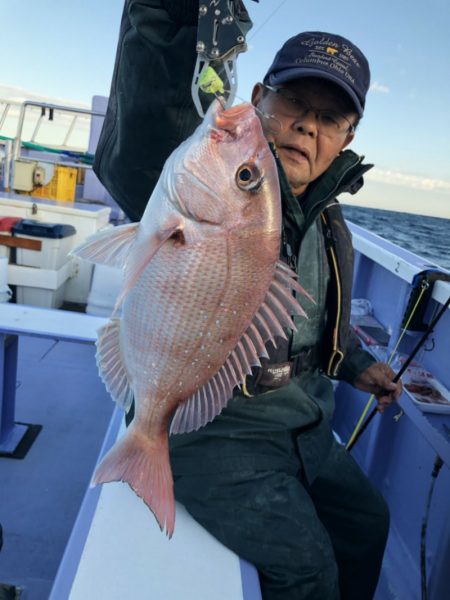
{"points": [[203, 293]]}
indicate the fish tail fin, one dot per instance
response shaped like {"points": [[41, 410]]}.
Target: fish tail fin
{"points": [[143, 464]]}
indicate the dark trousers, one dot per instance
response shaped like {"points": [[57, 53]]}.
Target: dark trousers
{"points": [[318, 541]]}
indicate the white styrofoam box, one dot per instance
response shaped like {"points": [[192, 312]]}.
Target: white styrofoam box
{"points": [[40, 287], [105, 287], [53, 253], [5, 295], [5, 291], [34, 296], [86, 218], [4, 250]]}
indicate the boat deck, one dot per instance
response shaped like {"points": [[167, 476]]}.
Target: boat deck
{"points": [[61, 538], [40, 495]]}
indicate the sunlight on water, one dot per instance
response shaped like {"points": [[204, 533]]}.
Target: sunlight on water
{"points": [[426, 236]]}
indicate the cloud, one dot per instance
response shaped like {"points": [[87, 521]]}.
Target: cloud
{"points": [[407, 180], [57, 131], [17, 94], [379, 88]]}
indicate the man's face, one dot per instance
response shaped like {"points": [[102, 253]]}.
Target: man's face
{"points": [[304, 151]]}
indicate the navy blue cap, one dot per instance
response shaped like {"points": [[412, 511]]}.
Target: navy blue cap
{"points": [[325, 55]]}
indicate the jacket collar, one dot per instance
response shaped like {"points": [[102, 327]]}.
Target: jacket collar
{"points": [[344, 175]]}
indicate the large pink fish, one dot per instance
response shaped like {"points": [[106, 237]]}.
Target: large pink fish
{"points": [[203, 293]]}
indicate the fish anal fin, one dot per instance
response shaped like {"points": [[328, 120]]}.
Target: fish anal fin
{"points": [[215, 394], [144, 465], [212, 397], [110, 364]]}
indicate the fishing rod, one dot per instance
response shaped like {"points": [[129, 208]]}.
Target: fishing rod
{"points": [[406, 364]]}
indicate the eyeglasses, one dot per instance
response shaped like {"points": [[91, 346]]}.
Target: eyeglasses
{"points": [[330, 123]]}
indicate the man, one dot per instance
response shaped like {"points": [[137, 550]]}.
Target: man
{"points": [[267, 477]]}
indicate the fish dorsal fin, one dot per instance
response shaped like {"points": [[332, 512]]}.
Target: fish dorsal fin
{"points": [[273, 315], [109, 247], [110, 365]]}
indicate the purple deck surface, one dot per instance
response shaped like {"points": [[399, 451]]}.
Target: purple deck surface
{"points": [[57, 387], [399, 448], [46, 507]]}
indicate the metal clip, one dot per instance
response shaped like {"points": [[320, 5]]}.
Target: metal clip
{"points": [[220, 38], [202, 64], [398, 416]]}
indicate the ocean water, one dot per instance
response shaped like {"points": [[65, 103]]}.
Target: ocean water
{"points": [[428, 237]]}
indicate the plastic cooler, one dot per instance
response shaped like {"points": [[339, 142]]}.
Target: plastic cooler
{"points": [[56, 243], [57, 240]]}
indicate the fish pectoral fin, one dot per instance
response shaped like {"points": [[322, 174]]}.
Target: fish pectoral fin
{"points": [[145, 249], [110, 364], [272, 317], [109, 247], [143, 463]]}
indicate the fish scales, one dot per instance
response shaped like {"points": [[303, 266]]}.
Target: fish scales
{"points": [[196, 306], [196, 319]]}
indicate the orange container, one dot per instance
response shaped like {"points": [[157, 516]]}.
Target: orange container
{"points": [[62, 186]]}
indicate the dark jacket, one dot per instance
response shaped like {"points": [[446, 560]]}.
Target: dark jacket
{"points": [[341, 355], [150, 112]]}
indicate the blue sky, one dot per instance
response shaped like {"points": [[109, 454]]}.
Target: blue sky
{"points": [[65, 50]]}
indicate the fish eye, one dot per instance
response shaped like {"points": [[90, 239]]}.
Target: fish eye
{"points": [[248, 177]]}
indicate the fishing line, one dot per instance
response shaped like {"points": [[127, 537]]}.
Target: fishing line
{"points": [[404, 367], [264, 115], [268, 19], [356, 433], [211, 83]]}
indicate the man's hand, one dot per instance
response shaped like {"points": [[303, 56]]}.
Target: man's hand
{"points": [[377, 380]]}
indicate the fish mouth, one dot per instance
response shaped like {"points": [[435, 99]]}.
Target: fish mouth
{"points": [[230, 119], [235, 112]]}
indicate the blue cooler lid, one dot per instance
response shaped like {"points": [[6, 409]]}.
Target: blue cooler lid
{"points": [[46, 230]]}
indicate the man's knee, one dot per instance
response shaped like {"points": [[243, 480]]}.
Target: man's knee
{"points": [[316, 580], [295, 561], [270, 522]]}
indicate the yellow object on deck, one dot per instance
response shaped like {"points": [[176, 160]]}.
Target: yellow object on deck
{"points": [[62, 186]]}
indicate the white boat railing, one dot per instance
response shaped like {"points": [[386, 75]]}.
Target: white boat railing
{"points": [[7, 105], [68, 126]]}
